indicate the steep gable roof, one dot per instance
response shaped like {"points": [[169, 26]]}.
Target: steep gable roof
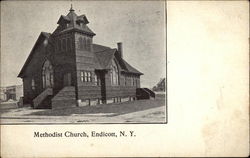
{"points": [[98, 48], [131, 69], [43, 35], [104, 55]]}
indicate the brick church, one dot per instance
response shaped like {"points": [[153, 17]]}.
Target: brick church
{"points": [[65, 68]]}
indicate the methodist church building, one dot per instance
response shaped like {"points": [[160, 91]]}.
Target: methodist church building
{"points": [[65, 68]]}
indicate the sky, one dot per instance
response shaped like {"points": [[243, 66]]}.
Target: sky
{"points": [[140, 26]]}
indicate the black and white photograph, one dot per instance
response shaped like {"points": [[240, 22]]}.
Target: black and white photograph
{"points": [[126, 78], [83, 62]]}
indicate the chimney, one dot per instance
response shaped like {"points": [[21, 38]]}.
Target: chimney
{"points": [[119, 47]]}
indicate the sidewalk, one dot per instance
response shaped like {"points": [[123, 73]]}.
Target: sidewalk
{"points": [[154, 115], [139, 111]]}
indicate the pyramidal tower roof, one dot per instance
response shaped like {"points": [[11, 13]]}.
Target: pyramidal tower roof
{"points": [[73, 22]]}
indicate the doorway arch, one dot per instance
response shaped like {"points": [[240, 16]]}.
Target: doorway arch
{"points": [[47, 74]]}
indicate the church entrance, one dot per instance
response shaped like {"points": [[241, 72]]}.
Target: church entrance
{"points": [[47, 74], [67, 79]]}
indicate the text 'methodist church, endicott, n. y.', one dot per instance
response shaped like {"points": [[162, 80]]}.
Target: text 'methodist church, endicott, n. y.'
{"points": [[66, 68]]}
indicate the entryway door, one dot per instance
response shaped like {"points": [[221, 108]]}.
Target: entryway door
{"points": [[67, 79], [47, 74]]}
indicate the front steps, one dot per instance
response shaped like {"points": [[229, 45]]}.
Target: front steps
{"points": [[144, 93], [43, 100], [64, 98]]}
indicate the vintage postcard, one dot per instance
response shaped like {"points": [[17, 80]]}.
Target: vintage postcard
{"points": [[86, 66], [124, 78]]}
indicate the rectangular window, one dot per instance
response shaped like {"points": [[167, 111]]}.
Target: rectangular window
{"points": [[85, 76], [125, 80], [84, 44], [80, 43], [88, 44], [52, 79], [89, 77], [82, 76], [97, 79], [131, 80]]}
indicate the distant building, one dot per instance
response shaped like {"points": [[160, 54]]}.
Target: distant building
{"points": [[161, 85], [66, 66], [11, 92], [2, 93]]}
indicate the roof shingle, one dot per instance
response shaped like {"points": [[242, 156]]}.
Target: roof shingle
{"points": [[74, 23], [104, 56], [47, 36]]}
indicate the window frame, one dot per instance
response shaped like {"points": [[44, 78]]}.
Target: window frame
{"points": [[80, 43], [114, 74], [88, 42], [97, 79], [86, 76], [89, 76], [33, 84], [82, 76], [84, 42]]}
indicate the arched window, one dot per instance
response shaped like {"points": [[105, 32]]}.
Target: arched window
{"points": [[47, 74], [45, 42], [88, 44], [125, 80], [85, 43], [114, 75], [33, 84], [80, 43], [68, 43]]}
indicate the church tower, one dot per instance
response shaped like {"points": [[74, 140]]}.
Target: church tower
{"points": [[73, 50]]}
